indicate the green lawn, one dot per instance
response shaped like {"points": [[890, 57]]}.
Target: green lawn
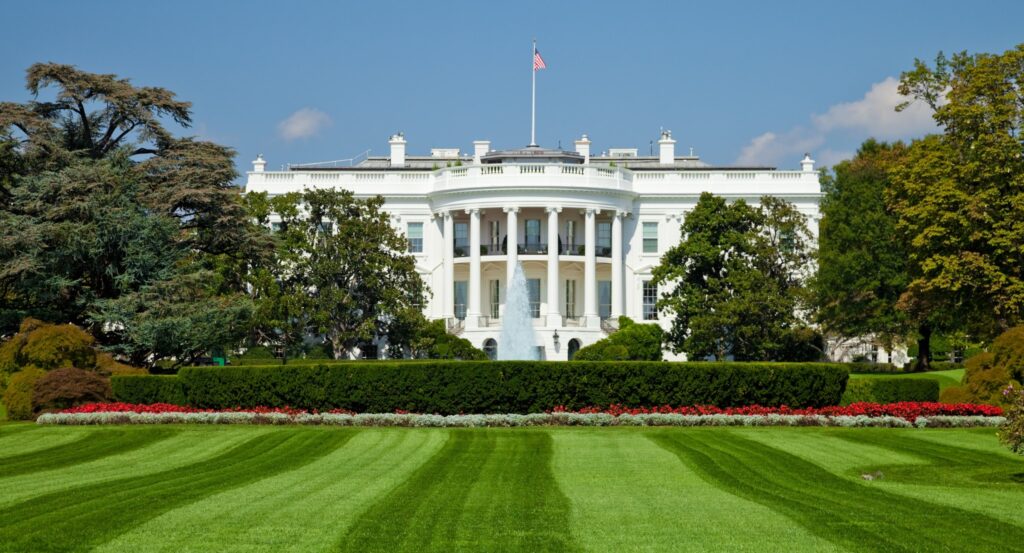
{"points": [[225, 488], [946, 378]]}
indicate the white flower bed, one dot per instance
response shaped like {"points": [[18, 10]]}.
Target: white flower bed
{"points": [[536, 419]]}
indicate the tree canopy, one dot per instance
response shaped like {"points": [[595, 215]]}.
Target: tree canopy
{"points": [[342, 271], [959, 196], [109, 221], [736, 283]]}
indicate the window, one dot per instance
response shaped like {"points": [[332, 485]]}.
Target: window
{"points": [[574, 346], [276, 227], [533, 287], [461, 239], [326, 227], [461, 289], [650, 301], [604, 239], [604, 298], [415, 234], [495, 287], [650, 237], [570, 298], [533, 232]]}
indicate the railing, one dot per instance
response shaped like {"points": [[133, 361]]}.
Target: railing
{"points": [[462, 249], [487, 321], [573, 321], [536, 248]]}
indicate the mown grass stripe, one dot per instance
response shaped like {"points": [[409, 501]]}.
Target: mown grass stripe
{"points": [[629, 494], [943, 463], [91, 446], [287, 512], [850, 513], [485, 487], [80, 518]]}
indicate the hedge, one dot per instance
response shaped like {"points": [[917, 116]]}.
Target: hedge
{"points": [[891, 390], [446, 387], [147, 389]]}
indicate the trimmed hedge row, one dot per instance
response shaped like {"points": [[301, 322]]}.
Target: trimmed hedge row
{"points": [[147, 389], [891, 390], [446, 387]]}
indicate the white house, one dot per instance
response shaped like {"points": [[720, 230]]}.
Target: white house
{"points": [[587, 229]]}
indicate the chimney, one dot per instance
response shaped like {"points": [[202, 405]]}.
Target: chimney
{"points": [[583, 148], [259, 164], [666, 148], [397, 142], [807, 164], [480, 148]]}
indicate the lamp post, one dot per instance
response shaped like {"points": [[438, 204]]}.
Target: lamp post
{"points": [[554, 338]]}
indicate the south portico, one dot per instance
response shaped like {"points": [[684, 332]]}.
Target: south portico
{"points": [[572, 256]]}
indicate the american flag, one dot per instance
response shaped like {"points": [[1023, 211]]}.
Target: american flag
{"points": [[538, 62]]}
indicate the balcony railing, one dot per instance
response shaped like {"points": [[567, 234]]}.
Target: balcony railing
{"points": [[462, 249]]}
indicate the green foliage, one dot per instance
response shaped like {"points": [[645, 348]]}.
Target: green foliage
{"points": [[1012, 432], [737, 279], [988, 373], [862, 262], [131, 248], [434, 342], [512, 386], [47, 347], [147, 389], [66, 387], [17, 398], [958, 196], [345, 249], [890, 390], [632, 342]]}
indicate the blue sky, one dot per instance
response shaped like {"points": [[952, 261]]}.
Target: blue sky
{"points": [[740, 82]]}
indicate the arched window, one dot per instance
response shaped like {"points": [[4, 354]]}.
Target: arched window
{"points": [[574, 346], [491, 348]]}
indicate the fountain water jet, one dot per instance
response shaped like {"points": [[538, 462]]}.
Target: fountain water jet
{"points": [[518, 339]]}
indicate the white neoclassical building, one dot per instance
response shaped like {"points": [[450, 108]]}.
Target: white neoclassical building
{"points": [[587, 229]]}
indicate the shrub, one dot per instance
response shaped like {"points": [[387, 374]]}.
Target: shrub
{"points": [[147, 389], [261, 355], [987, 374], [1011, 432], [434, 342], [867, 367], [891, 390], [56, 346], [18, 396], [67, 387], [632, 341], [508, 387]]}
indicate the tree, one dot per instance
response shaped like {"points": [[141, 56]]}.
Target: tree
{"points": [[632, 342], [862, 261], [958, 196], [736, 282], [101, 207], [431, 340], [344, 272]]}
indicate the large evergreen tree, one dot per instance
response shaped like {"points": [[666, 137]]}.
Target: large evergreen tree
{"points": [[736, 282], [109, 221]]}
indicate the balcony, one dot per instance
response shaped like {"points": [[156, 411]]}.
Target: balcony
{"points": [[461, 249]]}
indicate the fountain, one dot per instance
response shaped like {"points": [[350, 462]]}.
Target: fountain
{"points": [[518, 339]]}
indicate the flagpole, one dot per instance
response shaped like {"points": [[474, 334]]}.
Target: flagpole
{"points": [[533, 98]]}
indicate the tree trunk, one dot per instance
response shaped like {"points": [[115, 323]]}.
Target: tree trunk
{"points": [[924, 349]]}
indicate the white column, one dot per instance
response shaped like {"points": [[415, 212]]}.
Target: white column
{"points": [[590, 272], [511, 243], [449, 266], [473, 309], [554, 313], [617, 264]]}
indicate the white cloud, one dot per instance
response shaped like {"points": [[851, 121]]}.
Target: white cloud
{"points": [[874, 115], [769, 147], [303, 124]]}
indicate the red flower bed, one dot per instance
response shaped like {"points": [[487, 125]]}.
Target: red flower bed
{"points": [[171, 408], [908, 410]]}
